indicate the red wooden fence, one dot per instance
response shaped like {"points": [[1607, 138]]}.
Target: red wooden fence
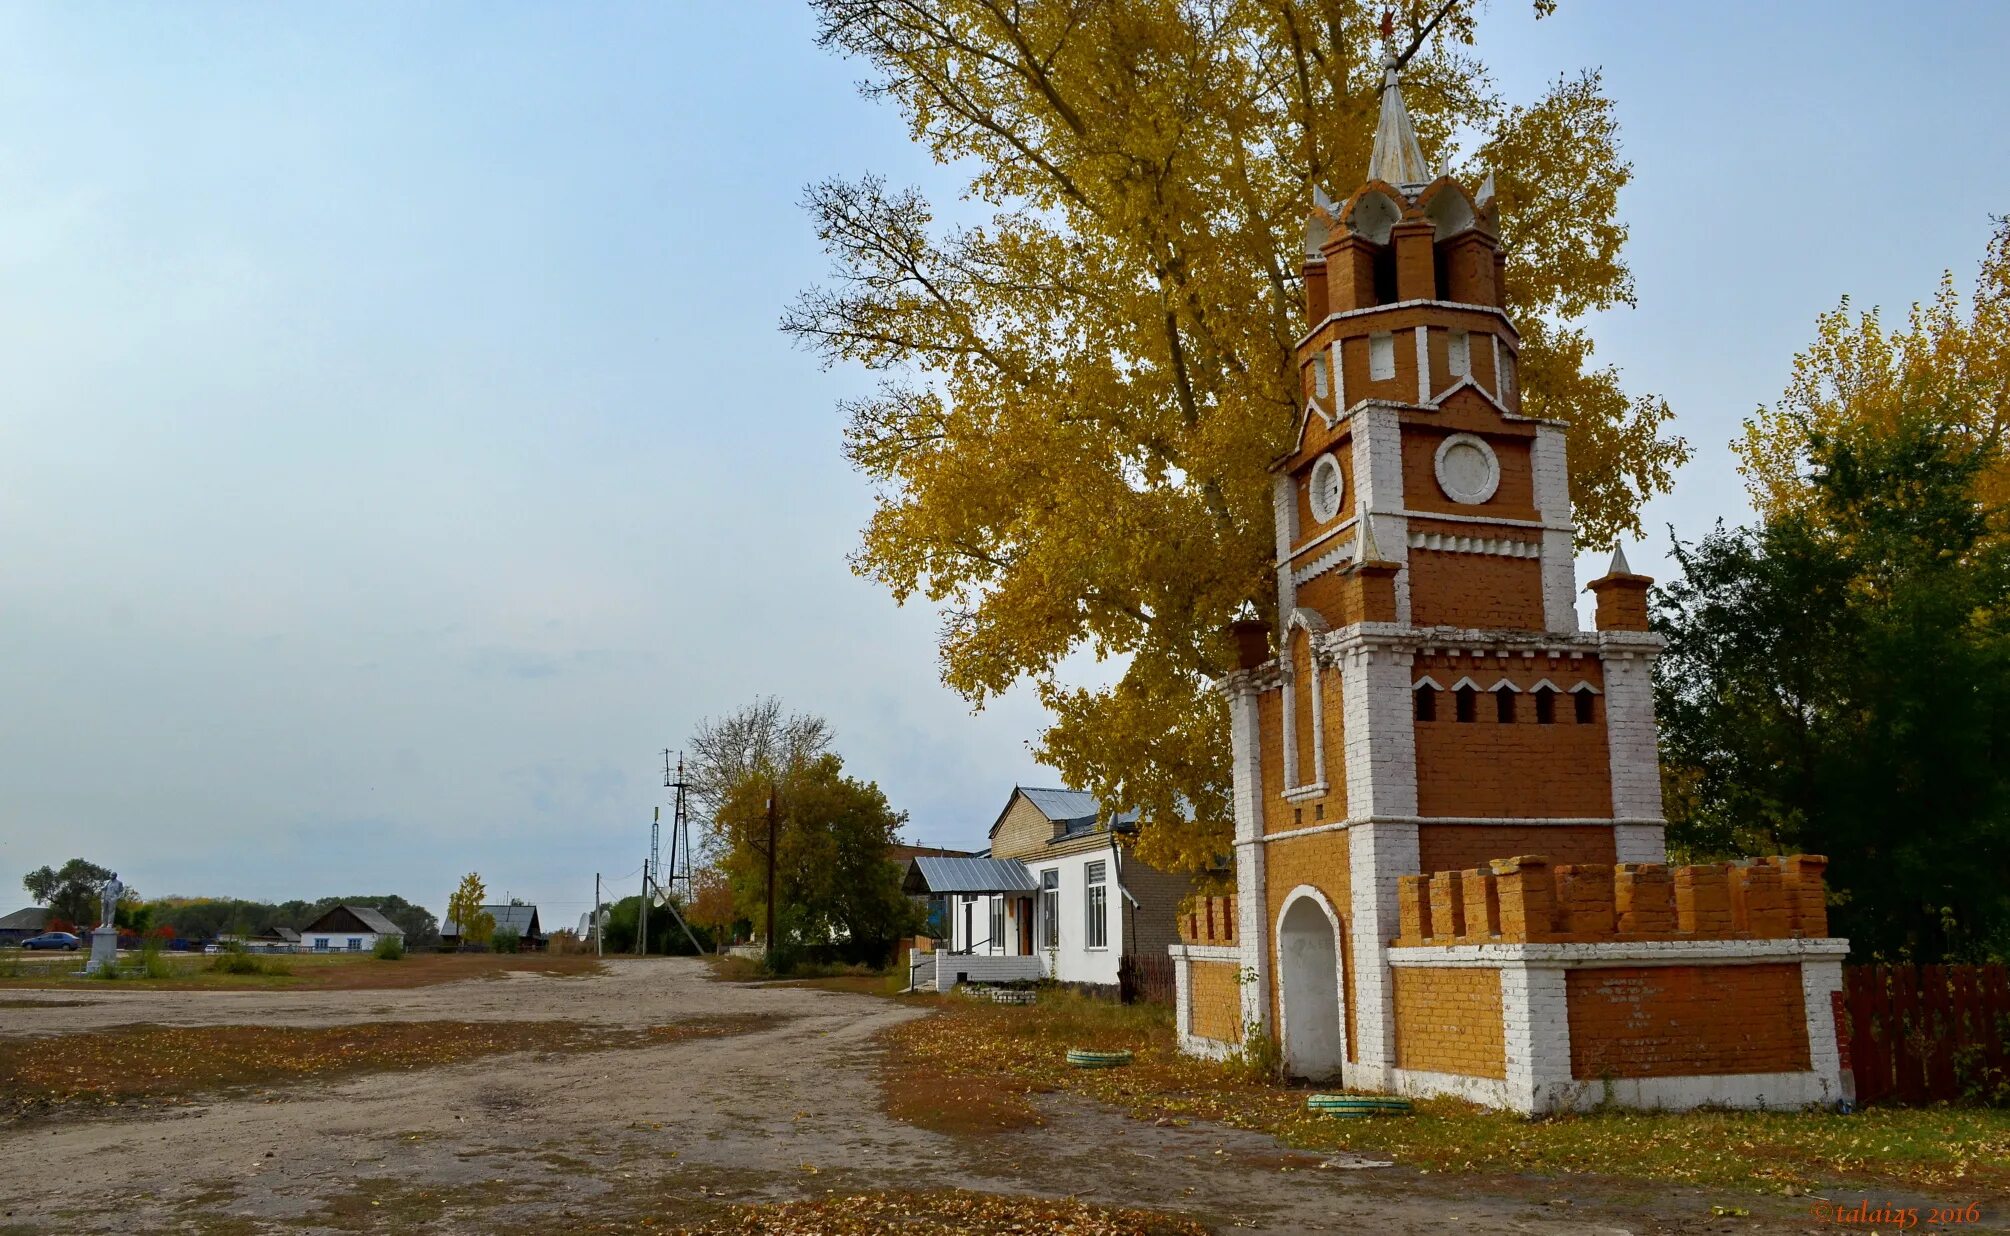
{"points": [[1921, 1033], [1146, 979]]}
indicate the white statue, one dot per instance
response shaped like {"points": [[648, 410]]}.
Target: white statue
{"points": [[113, 891]]}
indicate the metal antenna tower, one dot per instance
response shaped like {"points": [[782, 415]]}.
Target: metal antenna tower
{"points": [[677, 877]]}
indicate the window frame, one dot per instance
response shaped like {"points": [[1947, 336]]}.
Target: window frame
{"points": [[1096, 906], [1050, 908]]}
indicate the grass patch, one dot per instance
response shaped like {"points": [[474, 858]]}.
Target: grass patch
{"points": [[237, 961], [310, 971], [943, 1213], [973, 1068], [163, 1065]]}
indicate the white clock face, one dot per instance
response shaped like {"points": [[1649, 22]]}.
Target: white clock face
{"points": [[1467, 469], [1328, 487]]}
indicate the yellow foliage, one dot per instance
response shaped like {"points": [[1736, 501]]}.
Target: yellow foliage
{"points": [[1082, 394], [464, 908], [1859, 377]]}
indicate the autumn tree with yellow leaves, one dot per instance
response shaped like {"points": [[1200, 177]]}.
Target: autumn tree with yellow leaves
{"points": [[1080, 396], [1859, 378]]}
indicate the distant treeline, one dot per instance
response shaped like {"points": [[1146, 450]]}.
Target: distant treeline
{"points": [[205, 918]]}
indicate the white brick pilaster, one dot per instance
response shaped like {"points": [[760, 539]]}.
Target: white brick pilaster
{"points": [[1378, 492], [1284, 518], [1423, 364], [1818, 980], [1640, 843], [1535, 1020], [1630, 732], [1379, 734], [1247, 788], [1378, 852], [1552, 502]]}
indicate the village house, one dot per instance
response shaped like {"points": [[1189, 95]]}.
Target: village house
{"points": [[22, 924], [521, 919], [347, 929], [1449, 862], [1058, 895]]}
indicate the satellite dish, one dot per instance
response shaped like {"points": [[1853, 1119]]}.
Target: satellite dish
{"points": [[660, 900]]}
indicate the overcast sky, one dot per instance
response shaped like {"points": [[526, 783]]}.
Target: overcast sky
{"points": [[397, 449]]}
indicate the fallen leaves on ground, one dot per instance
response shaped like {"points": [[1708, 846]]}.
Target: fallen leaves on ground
{"points": [[974, 1067], [947, 1213], [150, 1064]]}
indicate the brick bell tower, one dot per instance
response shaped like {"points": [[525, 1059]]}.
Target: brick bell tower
{"points": [[1431, 703]]}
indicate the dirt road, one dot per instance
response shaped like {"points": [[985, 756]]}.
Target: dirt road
{"points": [[677, 1132]]}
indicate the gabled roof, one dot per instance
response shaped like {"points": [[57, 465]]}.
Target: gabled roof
{"points": [[966, 875], [1070, 811], [901, 853], [34, 918], [371, 920], [520, 919]]}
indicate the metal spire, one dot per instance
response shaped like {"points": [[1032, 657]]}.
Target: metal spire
{"points": [[1397, 159]]}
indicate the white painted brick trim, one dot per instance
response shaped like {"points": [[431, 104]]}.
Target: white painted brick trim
{"points": [[1578, 956]]}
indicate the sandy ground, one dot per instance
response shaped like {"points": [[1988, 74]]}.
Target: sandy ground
{"points": [[676, 1131]]}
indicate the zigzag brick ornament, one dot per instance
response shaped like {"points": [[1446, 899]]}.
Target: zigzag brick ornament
{"points": [[1449, 858]]}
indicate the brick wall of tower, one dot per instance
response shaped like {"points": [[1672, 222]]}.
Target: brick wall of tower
{"points": [[1323, 861], [1486, 591], [1526, 769], [1460, 847]]}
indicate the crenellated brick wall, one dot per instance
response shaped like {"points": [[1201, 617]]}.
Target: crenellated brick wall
{"points": [[1208, 920], [1530, 900]]}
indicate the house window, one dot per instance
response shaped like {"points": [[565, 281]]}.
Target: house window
{"points": [[997, 924], [1545, 706], [1427, 702], [1050, 909], [320, 944], [1459, 354], [1096, 907], [1381, 356], [355, 944], [1587, 707], [1466, 703]]}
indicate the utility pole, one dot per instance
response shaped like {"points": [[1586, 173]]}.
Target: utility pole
{"points": [[771, 872], [642, 934], [597, 952]]}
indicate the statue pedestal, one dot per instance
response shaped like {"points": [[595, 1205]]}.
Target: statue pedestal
{"points": [[104, 949]]}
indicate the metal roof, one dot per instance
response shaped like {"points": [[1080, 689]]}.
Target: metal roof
{"points": [[34, 918], [967, 875], [1074, 810], [520, 919]]}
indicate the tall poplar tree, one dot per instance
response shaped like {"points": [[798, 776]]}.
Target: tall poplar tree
{"points": [[1080, 396]]}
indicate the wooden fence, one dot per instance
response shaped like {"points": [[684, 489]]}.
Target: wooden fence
{"points": [[1148, 979], [1916, 1034]]}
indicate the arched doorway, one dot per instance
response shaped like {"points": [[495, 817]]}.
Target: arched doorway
{"points": [[1308, 970]]}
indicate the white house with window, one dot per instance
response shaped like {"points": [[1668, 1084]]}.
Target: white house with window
{"points": [[1059, 896], [347, 929]]}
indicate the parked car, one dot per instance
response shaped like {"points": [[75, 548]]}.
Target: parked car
{"points": [[53, 939]]}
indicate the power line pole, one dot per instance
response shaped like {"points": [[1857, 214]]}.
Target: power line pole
{"points": [[597, 951], [679, 877], [642, 935], [771, 872]]}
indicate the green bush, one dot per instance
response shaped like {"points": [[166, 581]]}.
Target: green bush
{"points": [[390, 948], [506, 940], [236, 960]]}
